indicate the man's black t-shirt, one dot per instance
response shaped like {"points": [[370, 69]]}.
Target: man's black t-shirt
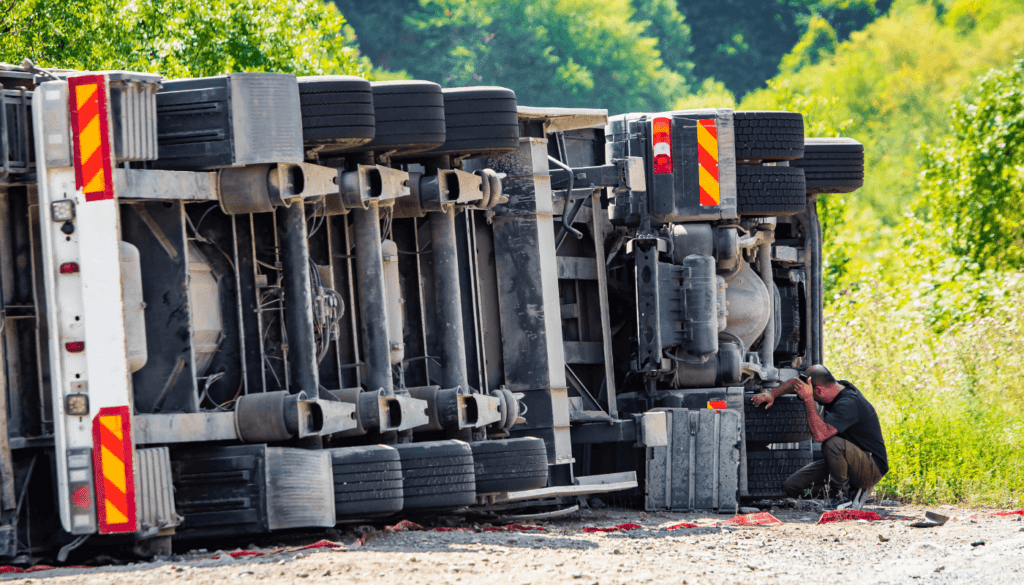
{"points": [[855, 419]]}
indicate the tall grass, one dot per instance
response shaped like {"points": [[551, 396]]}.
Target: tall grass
{"points": [[951, 400]]}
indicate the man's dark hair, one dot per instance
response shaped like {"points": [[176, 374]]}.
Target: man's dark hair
{"points": [[820, 376]]}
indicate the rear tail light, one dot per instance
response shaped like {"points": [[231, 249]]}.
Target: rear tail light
{"points": [[75, 346], [69, 268], [662, 139]]}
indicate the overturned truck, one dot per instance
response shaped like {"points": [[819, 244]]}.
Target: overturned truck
{"points": [[256, 302]]}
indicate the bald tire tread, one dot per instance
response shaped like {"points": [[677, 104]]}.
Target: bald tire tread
{"points": [[438, 475], [768, 136], [367, 481], [767, 470], [510, 465], [337, 112], [770, 191], [784, 422], [410, 117], [480, 121], [832, 165]]}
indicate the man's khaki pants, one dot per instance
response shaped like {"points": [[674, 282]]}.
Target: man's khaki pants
{"points": [[844, 466]]}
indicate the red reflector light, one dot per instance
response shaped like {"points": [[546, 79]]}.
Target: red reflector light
{"points": [[718, 404], [662, 131], [69, 268], [82, 498], [662, 142], [662, 164], [75, 346]]}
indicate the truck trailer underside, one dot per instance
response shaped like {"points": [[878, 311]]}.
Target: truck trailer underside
{"points": [[256, 302]]}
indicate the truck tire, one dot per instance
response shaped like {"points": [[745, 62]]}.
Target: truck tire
{"points": [[832, 165], [768, 469], [768, 136], [337, 112], [367, 481], [410, 117], [510, 465], [784, 422], [437, 475], [770, 191], [480, 121]]}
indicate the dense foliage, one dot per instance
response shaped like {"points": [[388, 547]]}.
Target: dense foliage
{"points": [[741, 42], [573, 53], [183, 38], [974, 180]]}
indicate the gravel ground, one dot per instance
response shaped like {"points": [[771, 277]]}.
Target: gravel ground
{"points": [[797, 551]]}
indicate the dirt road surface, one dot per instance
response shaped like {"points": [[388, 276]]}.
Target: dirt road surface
{"points": [[973, 547]]}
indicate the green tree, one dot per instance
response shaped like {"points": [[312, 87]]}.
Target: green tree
{"points": [[819, 42], [571, 53], [178, 39], [741, 42], [668, 25], [973, 181]]}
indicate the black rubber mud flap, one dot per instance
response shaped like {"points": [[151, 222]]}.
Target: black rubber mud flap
{"points": [[437, 475], [832, 165], [337, 112], [367, 481], [767, 470], [480, 121], [409, 117], [770, 191], [768, 136], [245, 489], [510, 465]]}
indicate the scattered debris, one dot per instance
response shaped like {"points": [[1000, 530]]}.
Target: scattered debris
{"points": [[931, 519], [883, 538], [626, 526], [759, 519], [841, 515]]}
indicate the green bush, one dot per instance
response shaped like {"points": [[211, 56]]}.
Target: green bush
{"points": [[950, 404], [186, 38]]}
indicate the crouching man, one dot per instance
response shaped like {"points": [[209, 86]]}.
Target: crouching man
{"points": [[849, 433]]}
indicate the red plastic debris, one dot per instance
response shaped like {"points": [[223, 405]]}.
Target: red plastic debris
{"points": [[36, 568], [1010, 513], [626, 526], [682, 525], [318, 544], [842, 515], [447, 529], [756, 519], [718, 405], [514, 528], [402, 526]]}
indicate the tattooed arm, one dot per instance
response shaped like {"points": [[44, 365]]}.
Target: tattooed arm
{"points": [[768, 396], [820, 430]]}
